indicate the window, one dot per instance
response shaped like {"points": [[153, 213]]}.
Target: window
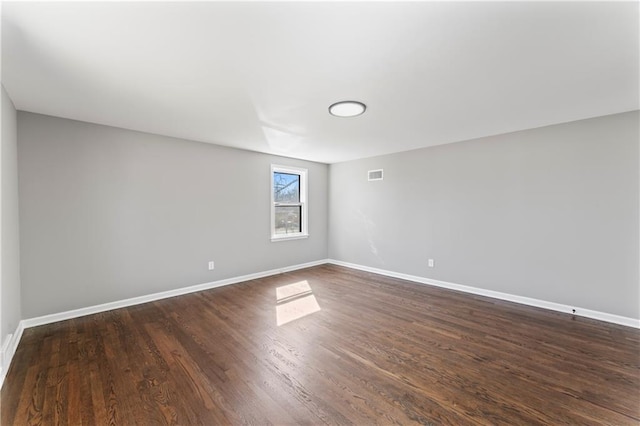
{"points": [[288, 203]]}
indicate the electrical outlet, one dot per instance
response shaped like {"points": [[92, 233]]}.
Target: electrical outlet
{"points": [[211, 266], [431, 263]]}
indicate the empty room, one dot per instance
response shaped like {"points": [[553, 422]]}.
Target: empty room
{"points": [[320, 213]]}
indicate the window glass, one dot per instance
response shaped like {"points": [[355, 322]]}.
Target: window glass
{"points": [[288, 219], [286, 188]]}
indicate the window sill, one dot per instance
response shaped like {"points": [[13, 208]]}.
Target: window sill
{"points": [[275, 239]]}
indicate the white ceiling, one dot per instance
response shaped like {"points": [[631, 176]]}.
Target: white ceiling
{"points": [[261, 75]]}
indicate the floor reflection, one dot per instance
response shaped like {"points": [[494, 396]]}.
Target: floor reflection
{"points": [[295, 301]]}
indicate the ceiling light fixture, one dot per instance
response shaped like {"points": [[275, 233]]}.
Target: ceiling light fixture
{"points": [[347, 108]]}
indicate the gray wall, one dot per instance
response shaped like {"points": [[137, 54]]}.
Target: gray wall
{"points": [[548, 213], [108, 214], [10, 251]]}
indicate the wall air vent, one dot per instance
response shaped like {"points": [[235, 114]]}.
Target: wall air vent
{"points": [[375, 174]]}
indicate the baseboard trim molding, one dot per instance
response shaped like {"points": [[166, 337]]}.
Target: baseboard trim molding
{"points": [[588, 313], [75, 313], [8, 350]]}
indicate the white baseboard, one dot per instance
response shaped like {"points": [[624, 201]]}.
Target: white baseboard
{"points": [[75, 313], [11, 344], [602, 316], [8, 350], [588, 313]]}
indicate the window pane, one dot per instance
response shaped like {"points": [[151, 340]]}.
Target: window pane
{"points": [[286, 188], [288, 219]]}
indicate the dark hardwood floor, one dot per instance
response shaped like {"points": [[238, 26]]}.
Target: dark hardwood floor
{"points": [[365, 349]]}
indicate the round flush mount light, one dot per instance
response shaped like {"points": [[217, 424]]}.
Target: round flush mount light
{"points": [[347, 108]]}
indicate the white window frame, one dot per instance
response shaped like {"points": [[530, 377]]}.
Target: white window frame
{"points": [[303, 204]]}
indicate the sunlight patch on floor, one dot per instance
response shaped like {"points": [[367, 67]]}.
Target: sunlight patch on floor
{"points": [[295, 301]]}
